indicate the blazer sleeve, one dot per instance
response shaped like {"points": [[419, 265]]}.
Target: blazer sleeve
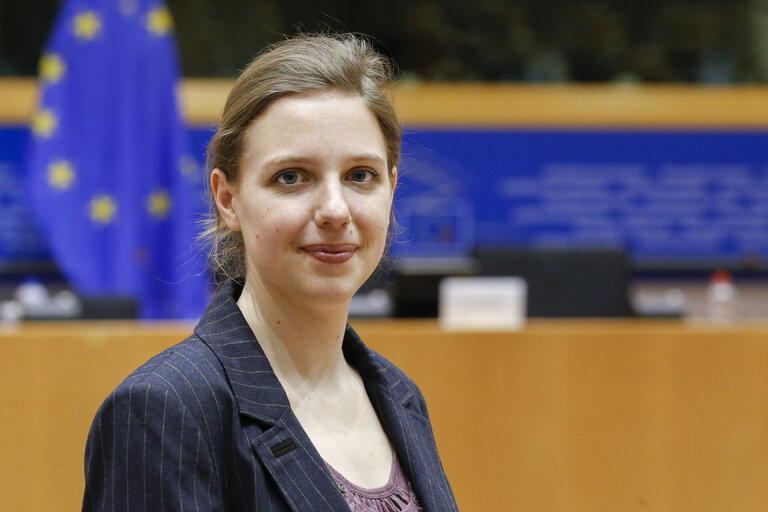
{"points": [[146, 451]]}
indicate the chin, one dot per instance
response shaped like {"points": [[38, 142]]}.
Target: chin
{"points": [[332, 291], [330, 296]]}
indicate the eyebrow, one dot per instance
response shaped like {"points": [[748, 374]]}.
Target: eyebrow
{"points": [[296, 159], [368, 158]]}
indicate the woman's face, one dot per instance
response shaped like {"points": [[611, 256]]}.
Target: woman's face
{"points": [[313, 197]]}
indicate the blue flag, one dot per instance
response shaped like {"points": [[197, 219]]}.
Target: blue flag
{"points": [[112, 184]]}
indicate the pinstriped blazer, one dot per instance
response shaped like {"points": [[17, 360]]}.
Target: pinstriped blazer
{"points": [[206, 425]]}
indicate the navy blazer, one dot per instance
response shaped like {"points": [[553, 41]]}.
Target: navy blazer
{"points": [[206, 425]]}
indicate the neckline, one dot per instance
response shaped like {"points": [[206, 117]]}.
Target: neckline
{"points": [[375, 492]]}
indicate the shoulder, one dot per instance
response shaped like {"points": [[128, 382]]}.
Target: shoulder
{"points": [[398, 380], [390, 369], [375, 367], [164, 424], [186, 378], [191, 360], [371, 364]]}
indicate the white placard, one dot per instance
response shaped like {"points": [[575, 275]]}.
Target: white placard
{"points": [[482, 303]]}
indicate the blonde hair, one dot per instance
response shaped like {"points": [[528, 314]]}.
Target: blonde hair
{"points": [[299, 65]]}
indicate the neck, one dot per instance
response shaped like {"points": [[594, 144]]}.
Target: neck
{"points": [[301, 341]]}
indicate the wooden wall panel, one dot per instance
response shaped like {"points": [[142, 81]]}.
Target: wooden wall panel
{"points": [[486, 105], [562, 416]]}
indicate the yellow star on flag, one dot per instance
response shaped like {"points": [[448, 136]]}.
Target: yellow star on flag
{"points": [[159, 204], [44, 123], [159, 21], [87, 25], [60, 174], [51, 68], [103, 209]]}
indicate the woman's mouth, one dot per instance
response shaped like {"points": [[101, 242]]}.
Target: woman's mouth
{"points": [[333, 254]]}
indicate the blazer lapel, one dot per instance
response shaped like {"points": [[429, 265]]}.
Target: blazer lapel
{"points": [[275, 435], [411, 438], [407, 428], [300, 473]]}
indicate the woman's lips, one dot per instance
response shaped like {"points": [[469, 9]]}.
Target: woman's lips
{"points": [[331, 253]]}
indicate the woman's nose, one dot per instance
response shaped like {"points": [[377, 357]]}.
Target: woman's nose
{"points": [[332, 209]]}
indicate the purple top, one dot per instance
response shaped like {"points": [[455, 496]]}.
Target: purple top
{"points": [[396, 496]]}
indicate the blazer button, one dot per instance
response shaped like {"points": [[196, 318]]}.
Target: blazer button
{"points": [[342, 487]]}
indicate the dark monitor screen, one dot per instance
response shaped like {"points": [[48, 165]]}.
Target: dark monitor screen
{"points": [[565, 282]]}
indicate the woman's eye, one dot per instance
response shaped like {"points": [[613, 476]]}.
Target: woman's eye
{"points": [[362, 175], [289, 178]]}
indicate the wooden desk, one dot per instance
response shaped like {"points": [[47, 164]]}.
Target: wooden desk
{"points": [[562, 416]]}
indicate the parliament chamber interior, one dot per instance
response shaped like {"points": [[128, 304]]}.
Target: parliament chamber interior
{"points": [[628, 367]]}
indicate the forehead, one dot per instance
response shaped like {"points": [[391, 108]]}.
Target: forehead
{"points": [[322, 124]]}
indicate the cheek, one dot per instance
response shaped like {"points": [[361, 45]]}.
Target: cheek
{"points": [[377, 218], [266, 239], [271, 226]]}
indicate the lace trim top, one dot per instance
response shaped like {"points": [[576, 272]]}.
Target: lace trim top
{"points": [[396, 496]]}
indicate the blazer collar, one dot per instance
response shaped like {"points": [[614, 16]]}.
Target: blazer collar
{"points": [[280, 442], [255, 386], [258, 391]]}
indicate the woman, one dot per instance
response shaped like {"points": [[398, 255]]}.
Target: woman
{"points": [[274, 403]]}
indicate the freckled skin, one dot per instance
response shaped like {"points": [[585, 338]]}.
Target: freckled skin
{"points": [[332, 146]]}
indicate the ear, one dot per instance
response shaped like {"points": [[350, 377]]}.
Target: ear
{"points": [[223, 194], [393, 180]]}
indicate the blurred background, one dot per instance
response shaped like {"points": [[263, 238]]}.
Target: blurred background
{"points": [[535, 133], [611, 153], [710, 41]]}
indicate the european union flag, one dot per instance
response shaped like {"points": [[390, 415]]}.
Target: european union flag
{"points": [[111, 181]]}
